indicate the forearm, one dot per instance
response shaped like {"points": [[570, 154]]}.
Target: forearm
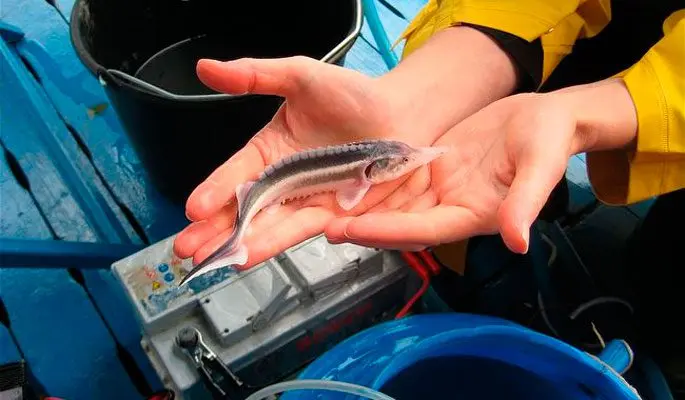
{"points": [[605, 115], [455, 73]]}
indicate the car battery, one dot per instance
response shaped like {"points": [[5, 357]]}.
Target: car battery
{"points": [[254, 328]]}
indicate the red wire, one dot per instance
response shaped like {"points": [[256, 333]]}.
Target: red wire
{"points": [[423, 272], [407, 307], [428, 259]]}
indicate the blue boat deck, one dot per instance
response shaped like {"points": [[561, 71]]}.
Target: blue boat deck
{"points": [[68, 174]]}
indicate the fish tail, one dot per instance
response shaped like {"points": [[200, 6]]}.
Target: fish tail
{"points": [[232, 252]]}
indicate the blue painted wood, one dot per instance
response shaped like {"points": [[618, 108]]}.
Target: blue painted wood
{"points": [[80, 100], [10, 33], [26, 253], [408, 8], [364, 58], [23, 118], [55, 324], [8, 350], [379, 33], [20, 120], [62, 337], [392, 24], [19, 218]]}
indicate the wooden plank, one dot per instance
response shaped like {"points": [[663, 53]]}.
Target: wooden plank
{"points": [[61, 335], [62, 338], [19, 218], [23, 119], [8, 350], [364, 58], [20, 121], [393, 24], [408, 8], [82, 103]]}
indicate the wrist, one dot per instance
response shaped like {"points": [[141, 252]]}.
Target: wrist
{"points": [[454, 74], [604, 113]]}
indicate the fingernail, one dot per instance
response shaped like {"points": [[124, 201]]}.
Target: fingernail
{"points": [[209, 61]]}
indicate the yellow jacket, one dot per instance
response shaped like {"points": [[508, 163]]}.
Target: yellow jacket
{"points": [[656, 83]]}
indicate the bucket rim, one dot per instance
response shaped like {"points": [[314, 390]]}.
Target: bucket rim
{"points": [[497, 334], [103, 74]]}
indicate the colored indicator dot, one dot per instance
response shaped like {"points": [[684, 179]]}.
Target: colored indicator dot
{"points": [[163, 268], [169, 277]]}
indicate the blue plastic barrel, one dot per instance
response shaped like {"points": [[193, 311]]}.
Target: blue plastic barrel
{"points": [[463, 356]]}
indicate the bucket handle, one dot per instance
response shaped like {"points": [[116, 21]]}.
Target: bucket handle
{"points": [[358, 21], [113, 74]]}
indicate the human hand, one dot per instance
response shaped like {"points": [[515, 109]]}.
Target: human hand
{"points": [[325, 105], [506, 160], [414, 102]]}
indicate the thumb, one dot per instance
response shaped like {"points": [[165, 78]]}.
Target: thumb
{"points": [[534, 181], [281, 76]]}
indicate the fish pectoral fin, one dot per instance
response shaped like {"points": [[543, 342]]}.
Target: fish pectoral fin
{"points": [[349, 196], [241, 192]]}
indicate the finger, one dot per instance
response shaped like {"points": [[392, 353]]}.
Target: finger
{"points": [[216, 191], [268, 241], [211, 246], [383, 245], [197, 234], [431, 227], [261, 222], [534, 181], [301, 225], [414, 186], [280, 77], [269, 232], [192, 238]]}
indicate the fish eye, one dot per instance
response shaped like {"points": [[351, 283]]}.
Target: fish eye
{"points": [[405, 159]]}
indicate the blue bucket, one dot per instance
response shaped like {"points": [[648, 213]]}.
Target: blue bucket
{"points": [[465, 356]]}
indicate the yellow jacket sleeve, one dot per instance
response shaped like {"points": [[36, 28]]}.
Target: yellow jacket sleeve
{"points": [[558, 23], [657, 164]]}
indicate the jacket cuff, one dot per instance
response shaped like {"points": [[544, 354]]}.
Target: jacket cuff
{"points": [[624, 177]]}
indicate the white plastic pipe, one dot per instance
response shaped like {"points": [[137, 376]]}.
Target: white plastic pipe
{"points": [[315, 384]]}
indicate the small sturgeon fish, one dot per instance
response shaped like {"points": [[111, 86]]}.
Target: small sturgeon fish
{"points": [[349, 170]]}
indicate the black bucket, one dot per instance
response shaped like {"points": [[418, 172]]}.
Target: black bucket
{"points": [[144, 52]]}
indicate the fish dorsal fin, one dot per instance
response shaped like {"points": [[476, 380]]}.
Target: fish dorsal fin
{"points": [[241, 192]]}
